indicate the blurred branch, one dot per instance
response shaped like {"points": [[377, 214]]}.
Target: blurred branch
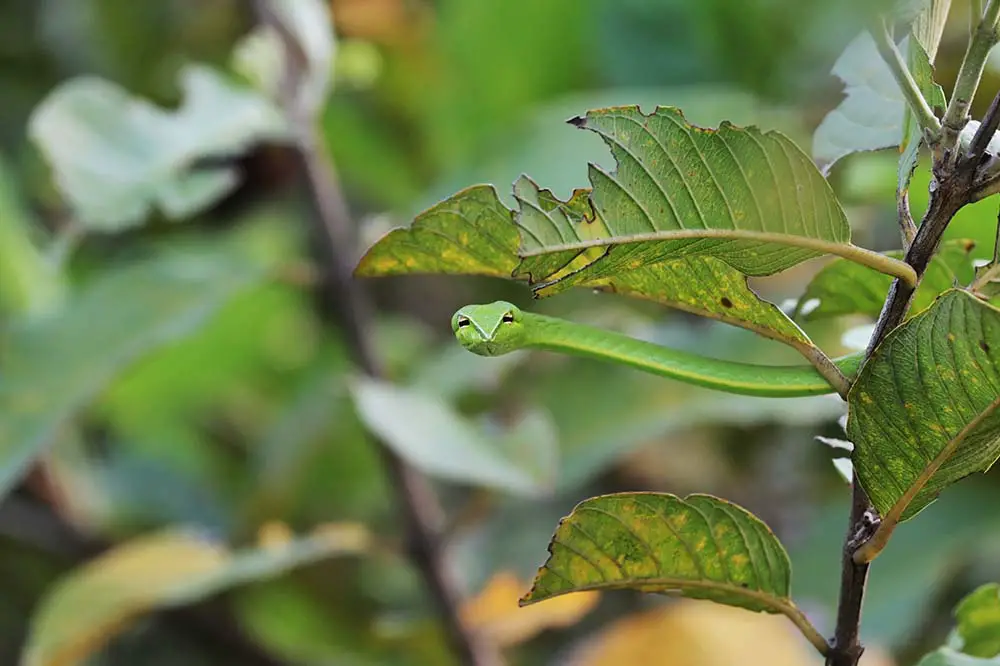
{"points": [[345, 303]]}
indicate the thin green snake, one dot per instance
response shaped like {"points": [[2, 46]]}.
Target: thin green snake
{"points": [[499, 328]]}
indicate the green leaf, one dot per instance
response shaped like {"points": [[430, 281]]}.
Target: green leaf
{"points": [[919, 62], [845, 288], [425, 431], [947, 656], [978, 616], [470, 233], [114, 157], [704, 286], [925, 411], [750, 199], [700, 547], [84, 610], [54, 366], [28, 283]]}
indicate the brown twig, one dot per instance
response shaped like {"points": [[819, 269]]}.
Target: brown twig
{"points": [[954, 188], [349, 306]]}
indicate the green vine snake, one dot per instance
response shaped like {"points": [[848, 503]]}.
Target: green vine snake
{"points": [[499, 328]]}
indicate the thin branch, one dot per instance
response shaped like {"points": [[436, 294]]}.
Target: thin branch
{"points": [[969, 74], [953, 191], [347, 303], [921, 110]]}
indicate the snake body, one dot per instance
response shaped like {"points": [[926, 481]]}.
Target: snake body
{"points": [[501, 327]]}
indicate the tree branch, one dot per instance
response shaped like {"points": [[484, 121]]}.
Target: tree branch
{"points": [[348, 305], [969, 74], [921, 110], [954, 190]]}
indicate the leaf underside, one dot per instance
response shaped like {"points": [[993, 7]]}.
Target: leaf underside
{"points": [[701, 285], [925, 410], [673, 177], [699, 547]]}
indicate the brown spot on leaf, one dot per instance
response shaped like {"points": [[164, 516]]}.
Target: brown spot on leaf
{"points": [[985, 347], [726, 303], [969, 245]]}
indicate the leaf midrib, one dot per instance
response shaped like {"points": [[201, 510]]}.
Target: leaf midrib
{"points": [[849, 251], [874, 546]]}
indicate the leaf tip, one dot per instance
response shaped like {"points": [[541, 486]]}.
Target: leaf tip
{"points": [[578, 121]]}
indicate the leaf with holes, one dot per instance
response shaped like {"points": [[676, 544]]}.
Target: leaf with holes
{"points": [[473, 233], [748, 198], [925, 410], [700, 547], [845, 288], [751, 200], [704, 286]]}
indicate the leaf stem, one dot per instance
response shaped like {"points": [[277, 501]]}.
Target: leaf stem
{"points": [[825, 366], [984, 37], [921, 110], [798, 618]]}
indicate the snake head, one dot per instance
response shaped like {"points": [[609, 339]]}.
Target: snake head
{"points": [[491, 329]]}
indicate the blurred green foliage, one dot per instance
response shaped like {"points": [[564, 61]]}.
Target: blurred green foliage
{"points": [[197, 385]]}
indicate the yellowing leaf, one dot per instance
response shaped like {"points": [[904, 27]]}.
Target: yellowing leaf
{"points": [[695, 633], [700, 547], [495, 611], [95, 602]]}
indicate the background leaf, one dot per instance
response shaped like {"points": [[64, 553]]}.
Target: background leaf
{"points": [[845, 288], [978, 622], [161, 570], [426, 432], [870, 117], [115, 157], [54, 366]]}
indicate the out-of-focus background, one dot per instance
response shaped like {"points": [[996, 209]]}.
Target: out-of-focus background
{"points": [[209, 493]]}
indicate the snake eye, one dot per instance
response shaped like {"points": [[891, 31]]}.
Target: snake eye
{"points": [[507, 318], [463, 321]]}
